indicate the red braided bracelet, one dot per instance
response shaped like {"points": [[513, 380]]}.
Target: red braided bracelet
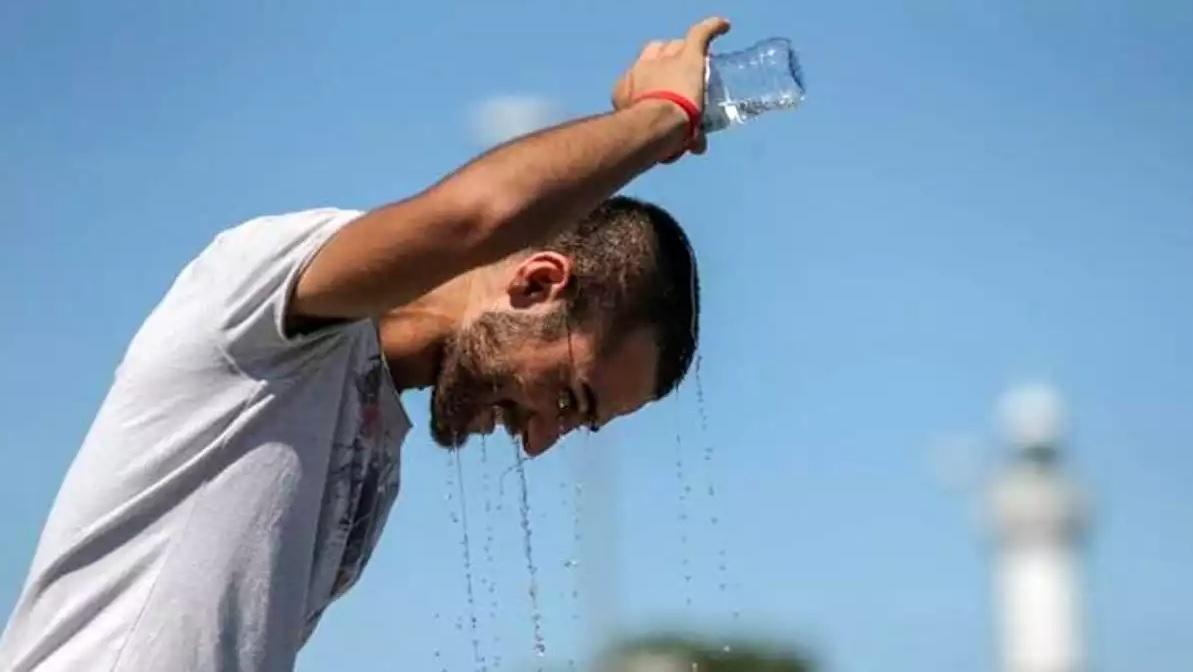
{"points": [[686, 104]]}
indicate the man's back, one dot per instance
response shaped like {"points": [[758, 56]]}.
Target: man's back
{"points": [[232, 484]]}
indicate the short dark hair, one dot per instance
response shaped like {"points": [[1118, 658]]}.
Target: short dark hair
{"points": [[633, 267]]}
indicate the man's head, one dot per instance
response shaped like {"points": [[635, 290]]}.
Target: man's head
{"points": [[588, 327]]}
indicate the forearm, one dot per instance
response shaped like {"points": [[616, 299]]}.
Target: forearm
{"points": [[509, 198], [534, 186]]}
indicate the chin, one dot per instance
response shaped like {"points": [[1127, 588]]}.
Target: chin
{"points": [[450, 423]]}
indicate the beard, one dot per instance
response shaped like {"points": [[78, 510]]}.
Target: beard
{"points": [[474, 370]]}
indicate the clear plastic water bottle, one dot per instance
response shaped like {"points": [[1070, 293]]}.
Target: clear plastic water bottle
{"points": [[743, 84]]}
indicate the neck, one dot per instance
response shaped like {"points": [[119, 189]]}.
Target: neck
{"points": [[413, 336]]}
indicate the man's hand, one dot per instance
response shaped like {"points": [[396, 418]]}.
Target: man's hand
{"points": [[676, 65]]}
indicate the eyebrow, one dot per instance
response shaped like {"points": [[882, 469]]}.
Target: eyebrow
{"points": [[590, 402]]}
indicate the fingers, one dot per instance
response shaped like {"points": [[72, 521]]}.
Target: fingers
{"points": [[621, 93], [652, 50], [699, 37], [658, 48], [703, 33]]}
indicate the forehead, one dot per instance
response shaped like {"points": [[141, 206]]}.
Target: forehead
{"points": [[623, 376]]}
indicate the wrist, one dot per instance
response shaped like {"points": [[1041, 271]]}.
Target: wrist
{"points": [[681, 116], [670, 113]]}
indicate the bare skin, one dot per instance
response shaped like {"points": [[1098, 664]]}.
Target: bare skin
{"points": [[596, 387], [432, 265]]}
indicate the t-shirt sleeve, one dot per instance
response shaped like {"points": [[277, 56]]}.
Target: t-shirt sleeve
{"points": [[250, 274]]}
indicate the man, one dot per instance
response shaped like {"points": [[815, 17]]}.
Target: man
{"points": [[244, 462]]}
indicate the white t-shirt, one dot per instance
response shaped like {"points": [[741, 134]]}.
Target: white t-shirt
{"points": [[233, 484]]}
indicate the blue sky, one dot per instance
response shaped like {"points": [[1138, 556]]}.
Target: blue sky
{"points": [[974, 194]]}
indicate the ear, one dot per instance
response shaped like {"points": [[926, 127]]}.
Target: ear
{"points": [[542, 277]]}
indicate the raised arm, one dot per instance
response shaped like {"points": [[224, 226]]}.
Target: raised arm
{"points": [[511, 197]]}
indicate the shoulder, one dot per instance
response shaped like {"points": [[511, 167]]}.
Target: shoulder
{"points": [[290, 224]]}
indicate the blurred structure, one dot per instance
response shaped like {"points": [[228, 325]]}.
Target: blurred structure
{"points": [[1039, 523], [679, 654]]}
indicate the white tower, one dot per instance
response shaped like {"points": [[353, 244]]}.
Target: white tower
{"points": [[1039, 520]]}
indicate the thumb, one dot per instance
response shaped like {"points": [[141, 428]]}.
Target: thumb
{"points": [[702, 34]]}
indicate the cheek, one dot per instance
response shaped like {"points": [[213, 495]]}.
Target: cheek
{"points": [[533, 368], [538, 392], [530, 391], [470, 385]]}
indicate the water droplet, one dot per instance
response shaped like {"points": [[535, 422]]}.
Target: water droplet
{"points": [[711, 473], [438, 655], [536, 617], [490, 564], [477, 657], [685, 490]]}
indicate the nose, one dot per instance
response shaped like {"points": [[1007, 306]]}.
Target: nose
{"points": [[543, 432]]}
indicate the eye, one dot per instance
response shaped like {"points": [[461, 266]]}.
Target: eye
{"points": [[567, 400]]}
